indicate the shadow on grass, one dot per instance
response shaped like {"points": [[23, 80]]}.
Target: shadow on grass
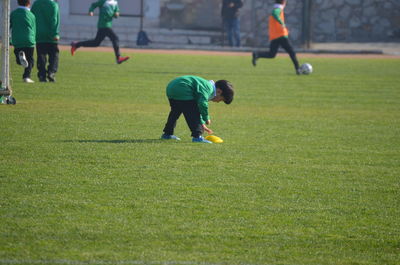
{"points": [[175, 73], [117, 141]]}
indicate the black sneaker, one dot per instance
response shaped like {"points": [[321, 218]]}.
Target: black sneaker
{"points": [[22, 59], [42, 79], [254, 59], [51, 77], [298, 71]]}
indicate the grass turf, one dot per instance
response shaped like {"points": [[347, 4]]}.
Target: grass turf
{"points": [[308, 172]]}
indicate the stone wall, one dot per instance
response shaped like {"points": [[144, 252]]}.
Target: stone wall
{"points": [[356, 20], [190, 14]]}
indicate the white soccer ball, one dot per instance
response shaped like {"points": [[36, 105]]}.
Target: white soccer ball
{"points": [[306, 69]]}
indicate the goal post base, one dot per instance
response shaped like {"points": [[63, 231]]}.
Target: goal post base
{"points": [[5, 92]]}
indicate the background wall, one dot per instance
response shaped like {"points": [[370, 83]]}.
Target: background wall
{"points": [[190, 14], [177, 21], [356, 20]]}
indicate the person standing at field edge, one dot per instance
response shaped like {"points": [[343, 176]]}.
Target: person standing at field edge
{"points": [[109, 10], [278, 35], [23, 37], [47, 36], [231, 21], [190, 95]]}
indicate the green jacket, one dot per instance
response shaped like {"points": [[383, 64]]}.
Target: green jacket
{"points": [[47, 21], [23, 28], [191, 87], [108, 8]]}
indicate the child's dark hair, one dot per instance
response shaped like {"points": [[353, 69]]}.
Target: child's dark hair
{"points": [[227, 90], [23, 2], [279, 1]]}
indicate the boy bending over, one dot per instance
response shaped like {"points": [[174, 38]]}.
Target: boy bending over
{"points": [[190, 95]]}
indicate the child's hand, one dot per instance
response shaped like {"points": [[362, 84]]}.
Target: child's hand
{"points": [[91, 14], [209, 131], [208, 122]]}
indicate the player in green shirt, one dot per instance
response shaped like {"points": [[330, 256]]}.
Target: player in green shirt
{"points": [[23, 35], [109, 10], [47, 36], [190, 95]]}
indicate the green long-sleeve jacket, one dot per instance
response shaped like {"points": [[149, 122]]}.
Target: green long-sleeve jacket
{"points": [[191, 87], [108, 9], [47, 15], [23, 28]]}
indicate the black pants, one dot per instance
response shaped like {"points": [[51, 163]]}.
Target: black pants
{"points": [[191, 113], [102, 33], [273, 50], [51, 51], [29, 57]]}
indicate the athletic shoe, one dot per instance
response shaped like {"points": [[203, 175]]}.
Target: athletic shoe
{"points": [[200, 139], [28, 80], [298, 71], [51, 77], [122, 59], [73, 48], [9, 100], [22, 59], [170, 137], [254, 59], [43, 79]]}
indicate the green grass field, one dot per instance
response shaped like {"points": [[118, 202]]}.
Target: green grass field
{"points": [[309, 172]]}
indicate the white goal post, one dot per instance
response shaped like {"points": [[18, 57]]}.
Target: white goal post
{"points": [[5, 88]]}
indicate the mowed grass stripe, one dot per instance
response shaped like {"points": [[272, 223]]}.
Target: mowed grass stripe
{"points": [[307, 174]]}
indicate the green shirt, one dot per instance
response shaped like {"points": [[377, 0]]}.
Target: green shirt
{"points": [[191, 87], [47, 21], [23, 28], [108, 9], [276, 13]]}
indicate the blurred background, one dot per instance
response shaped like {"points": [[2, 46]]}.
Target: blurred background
{"points": [[198, 23]]}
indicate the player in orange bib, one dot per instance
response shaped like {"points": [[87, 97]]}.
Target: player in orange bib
{"points": [[278, 36]]}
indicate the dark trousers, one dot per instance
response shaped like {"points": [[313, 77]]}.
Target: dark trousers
{"points": [[100, 36], [232, 28], [51, 51], [273, 50], [29, 57], [190, 112]]}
